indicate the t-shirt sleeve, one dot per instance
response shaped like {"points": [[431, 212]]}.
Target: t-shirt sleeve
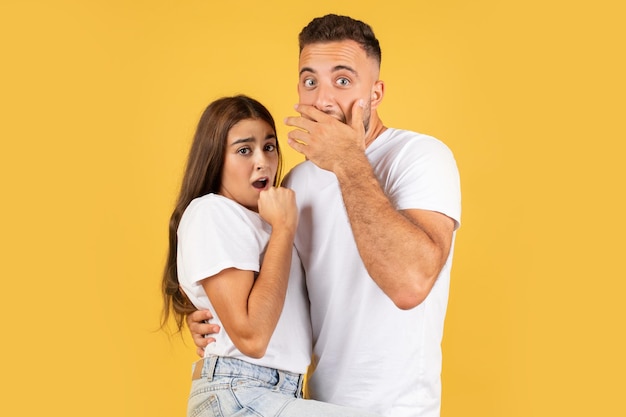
{"points": [[426, 177], [213, 237]]}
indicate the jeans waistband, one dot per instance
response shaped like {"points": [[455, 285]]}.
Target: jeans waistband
{"points": [[232, 367]]}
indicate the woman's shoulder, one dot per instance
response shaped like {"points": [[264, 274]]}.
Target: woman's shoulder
{"points": [[210, 202], [209, 206], [219, 210]]}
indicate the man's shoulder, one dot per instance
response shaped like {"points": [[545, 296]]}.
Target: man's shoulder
{"points": [[402, 140], [410, 135], [301, 171]]}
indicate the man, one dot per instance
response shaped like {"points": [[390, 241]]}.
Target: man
{"points": [[379, 208]]}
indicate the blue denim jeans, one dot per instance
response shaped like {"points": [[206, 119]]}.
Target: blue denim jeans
{"points": [[230, 387]]}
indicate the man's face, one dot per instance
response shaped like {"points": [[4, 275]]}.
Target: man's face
{"points": [[334, 75]]}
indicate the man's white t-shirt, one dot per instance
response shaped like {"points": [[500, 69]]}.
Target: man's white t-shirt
{"points": [[367, 352]]}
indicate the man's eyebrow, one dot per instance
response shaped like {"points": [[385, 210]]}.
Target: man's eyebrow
{"points": [[335, 69], [344, 67], [307, 69]]}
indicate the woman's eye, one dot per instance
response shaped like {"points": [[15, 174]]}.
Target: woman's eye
{"points": [[244, 151], [270, 148]]}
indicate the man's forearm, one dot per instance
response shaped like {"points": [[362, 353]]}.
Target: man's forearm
{"points": [[398, 253]]}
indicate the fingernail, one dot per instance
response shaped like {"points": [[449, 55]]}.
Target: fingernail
{"points": [[362, 103]]}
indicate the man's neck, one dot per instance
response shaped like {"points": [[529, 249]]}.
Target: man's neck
{"points": [[376, 129]]}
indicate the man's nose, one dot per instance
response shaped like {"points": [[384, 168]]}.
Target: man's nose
{"points": [[323, 97]]}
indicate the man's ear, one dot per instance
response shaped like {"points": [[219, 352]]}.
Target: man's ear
{"points": [[378, 92]]}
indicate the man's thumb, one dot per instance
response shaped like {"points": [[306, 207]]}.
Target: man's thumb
{"points": [[357, 114]]}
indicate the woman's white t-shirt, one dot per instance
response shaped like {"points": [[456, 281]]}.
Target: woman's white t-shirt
{"points": [[216, 233]]}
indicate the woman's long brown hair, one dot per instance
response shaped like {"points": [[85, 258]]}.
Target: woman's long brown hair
{"points": [[203, 175]]}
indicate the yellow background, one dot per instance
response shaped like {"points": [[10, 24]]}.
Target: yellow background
{"points": [[99, 100]]}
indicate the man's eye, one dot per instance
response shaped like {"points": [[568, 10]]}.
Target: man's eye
{"points": [[343, 81], [309, 82]]}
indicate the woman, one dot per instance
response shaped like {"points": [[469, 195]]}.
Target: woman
{"points": [[231, 251]]}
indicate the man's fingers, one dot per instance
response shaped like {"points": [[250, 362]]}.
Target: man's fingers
{"points": [[297, 146], [199, 340], [310, 112], [300, 122], [200, 352], [205, 329], [299, 135], [198, 316]]}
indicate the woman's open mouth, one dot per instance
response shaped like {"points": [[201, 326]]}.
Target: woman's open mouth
{"points": [[260, 183]]}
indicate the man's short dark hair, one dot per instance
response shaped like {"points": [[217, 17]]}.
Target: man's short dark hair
{"points": [[334, 28]]}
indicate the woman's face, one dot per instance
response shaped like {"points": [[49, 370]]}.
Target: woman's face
{"points": [[250, 162]]}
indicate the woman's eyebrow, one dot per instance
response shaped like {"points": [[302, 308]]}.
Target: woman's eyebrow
{"points": [[242, 140]]}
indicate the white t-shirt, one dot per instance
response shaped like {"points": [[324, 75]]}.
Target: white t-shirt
{"points": [[216, 233], [367, 352]]}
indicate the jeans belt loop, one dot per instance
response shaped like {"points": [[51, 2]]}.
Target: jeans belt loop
{"points": [[199, 367]]}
